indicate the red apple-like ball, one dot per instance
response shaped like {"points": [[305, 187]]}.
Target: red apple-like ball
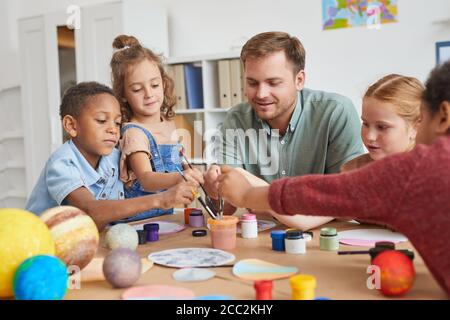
{"points": [[397, 272]]}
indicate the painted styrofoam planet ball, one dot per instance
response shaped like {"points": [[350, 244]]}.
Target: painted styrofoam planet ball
{"points": [[75, 234], [122, 236], [22, 235], [397, 272], [122, 267], [41, 278]]}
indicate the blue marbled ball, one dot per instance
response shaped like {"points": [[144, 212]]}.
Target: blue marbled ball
{"points": [[41, 278]]}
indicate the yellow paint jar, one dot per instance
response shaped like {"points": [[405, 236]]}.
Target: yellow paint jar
{"points": [[303, 287]]}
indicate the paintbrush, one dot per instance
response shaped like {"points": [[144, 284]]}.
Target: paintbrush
{"points": [[373, 252], [198, 197], [352, 252], [190, 166]]}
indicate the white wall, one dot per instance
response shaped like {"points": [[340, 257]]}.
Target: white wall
{"points": [[9, 61], [344, 61]]}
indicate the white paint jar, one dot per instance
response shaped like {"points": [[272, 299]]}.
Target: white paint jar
{"points": [[249, 226], [294, 242]]}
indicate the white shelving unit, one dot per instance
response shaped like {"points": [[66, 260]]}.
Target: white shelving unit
{"points": [[212, 115], [12, 159]]}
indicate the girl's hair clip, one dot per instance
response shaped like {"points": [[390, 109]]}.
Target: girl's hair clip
{"points": [[121, 49]]}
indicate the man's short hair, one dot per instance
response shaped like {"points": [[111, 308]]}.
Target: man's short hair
{"points": [[267, 43], [76, 97]]}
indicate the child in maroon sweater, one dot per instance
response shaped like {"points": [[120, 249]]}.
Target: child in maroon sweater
{"points": [[409, 191]]}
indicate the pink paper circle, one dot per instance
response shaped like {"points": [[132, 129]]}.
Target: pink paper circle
{"points": [[158, 292]]}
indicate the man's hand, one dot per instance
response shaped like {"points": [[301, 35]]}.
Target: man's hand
{"points": [[233, 186], [211, 183]]}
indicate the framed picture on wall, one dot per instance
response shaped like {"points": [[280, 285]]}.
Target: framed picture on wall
{"points": [[442, 52]]}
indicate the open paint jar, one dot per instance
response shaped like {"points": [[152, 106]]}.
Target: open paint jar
{"points": [[223, 232], [196, 219], [187, 212]]}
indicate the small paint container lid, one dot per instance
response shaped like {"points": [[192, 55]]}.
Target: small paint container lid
{"points": [[199, 233], [151, 227], [328, 232], [278, 234], [385, 244], [294, 234], [196, 213], [248, 217]]}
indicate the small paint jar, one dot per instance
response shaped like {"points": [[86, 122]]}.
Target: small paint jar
{"points": [[385, 244], [142, 234], [249, 226], [152, 232], [187, 212], [223, 232], [308, 235], [278, 240], [329, 240], [196, 219], [303, 287], [294, 242], [263, 289]]}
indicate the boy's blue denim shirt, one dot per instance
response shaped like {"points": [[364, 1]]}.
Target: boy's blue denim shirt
{"points": [[67, 170]]}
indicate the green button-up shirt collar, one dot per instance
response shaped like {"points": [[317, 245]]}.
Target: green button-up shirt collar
{"points": [[294, 118]]}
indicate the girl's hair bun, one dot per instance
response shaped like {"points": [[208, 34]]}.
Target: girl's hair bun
{"points": [[124, 41]]}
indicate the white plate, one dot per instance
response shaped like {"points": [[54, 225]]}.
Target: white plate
{"points": [[372, 235], [191, 257], [164, 227]]}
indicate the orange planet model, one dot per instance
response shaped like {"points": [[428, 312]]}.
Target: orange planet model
{"points": [[75, 234]]}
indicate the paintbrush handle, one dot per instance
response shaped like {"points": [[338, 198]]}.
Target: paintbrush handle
{"points": [[352, 252], [206, 208]]}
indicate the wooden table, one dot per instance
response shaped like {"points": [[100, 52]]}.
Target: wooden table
{"points": [[338, 277]]}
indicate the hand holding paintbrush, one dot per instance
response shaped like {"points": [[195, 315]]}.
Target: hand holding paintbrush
{"points": [[199, 198], [201, 181]]}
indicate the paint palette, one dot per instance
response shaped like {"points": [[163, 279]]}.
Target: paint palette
{"points": [[164, 227], [263, 225], [368, 237], [192, 258], [255, 269]]}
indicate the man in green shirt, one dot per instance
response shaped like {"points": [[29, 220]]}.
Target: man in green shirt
{"points": [[284, 129]]}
